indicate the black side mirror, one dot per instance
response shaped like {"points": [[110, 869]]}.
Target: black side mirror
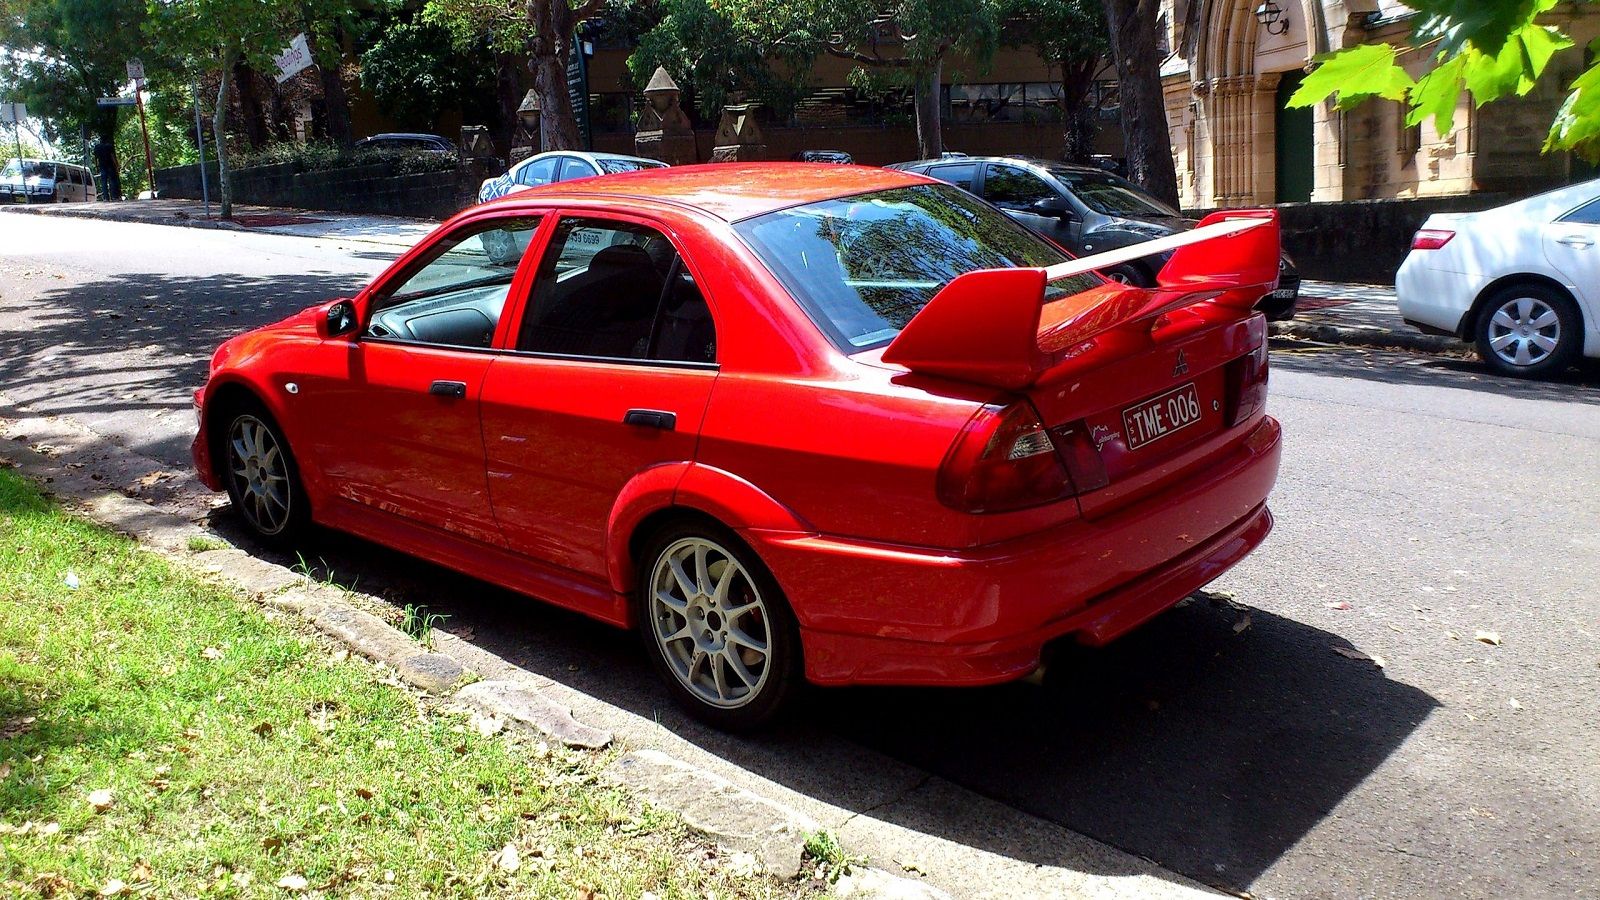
{"points": [[1055, 206], [340, 319]]}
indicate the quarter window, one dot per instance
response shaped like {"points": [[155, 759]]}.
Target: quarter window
{"points": [[1014, 188], [455, 298], [960, 174], [575, 168], [538, 172], [616, 290], [1587, 214]]}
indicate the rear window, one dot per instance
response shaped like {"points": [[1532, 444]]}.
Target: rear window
{"points": [[862, 266]]}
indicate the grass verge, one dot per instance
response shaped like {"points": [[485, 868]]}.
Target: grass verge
{"points": [[161, 737]]}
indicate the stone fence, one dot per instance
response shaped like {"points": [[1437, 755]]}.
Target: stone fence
{"points": [[373, 188], [1362, 240]]}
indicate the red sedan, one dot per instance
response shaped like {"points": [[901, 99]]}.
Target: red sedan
{"points": [[794, 423]]}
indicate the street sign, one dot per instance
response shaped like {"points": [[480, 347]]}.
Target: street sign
{"points": [[293, 60], [115, 101], [578, 87], [136, 69], [11, 112]]}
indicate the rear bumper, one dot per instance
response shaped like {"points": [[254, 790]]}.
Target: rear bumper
{"points": [[874, 614]]}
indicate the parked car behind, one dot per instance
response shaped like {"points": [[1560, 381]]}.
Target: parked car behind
{"points": [[838, 157], [561, 165], [45, 181], [1086, 210], [791, 423], [1521, 281], [405, 140]]}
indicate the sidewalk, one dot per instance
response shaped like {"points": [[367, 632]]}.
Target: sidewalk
{"points": [[1331, 312]]}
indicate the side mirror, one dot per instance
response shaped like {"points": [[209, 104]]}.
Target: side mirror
{"points": [[338, 317], [1055, 206]]}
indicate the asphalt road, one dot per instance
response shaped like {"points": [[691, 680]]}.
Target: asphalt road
{"points": [[1421, 501]]}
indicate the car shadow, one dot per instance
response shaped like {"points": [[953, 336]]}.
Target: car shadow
{"points": [[1205, 745]]}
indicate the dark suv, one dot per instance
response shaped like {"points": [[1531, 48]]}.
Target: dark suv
{"points": [[1086, 210]]}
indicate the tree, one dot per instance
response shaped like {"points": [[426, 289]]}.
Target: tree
{"points": [[713, 49], [1132, 25], [414, 70], [1071, 36], [545, 30], [1488, 48]]}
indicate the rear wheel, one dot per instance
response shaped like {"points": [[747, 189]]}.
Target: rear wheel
{"points": [[263, 481], [1529, 331], [1130, 274], [717, 627]]}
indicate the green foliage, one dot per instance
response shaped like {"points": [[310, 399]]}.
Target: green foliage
{"points": [[317, 156], [77, 52], [416, 68], [1488, 48], [1064, 31], [715, 48]]}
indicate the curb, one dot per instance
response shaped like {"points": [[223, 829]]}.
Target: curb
{"points": [[118, 216], [1382, 338]]}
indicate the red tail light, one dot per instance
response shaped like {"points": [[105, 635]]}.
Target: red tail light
{"points": [[1431, 239], [1247, 385], [1005, 459]]}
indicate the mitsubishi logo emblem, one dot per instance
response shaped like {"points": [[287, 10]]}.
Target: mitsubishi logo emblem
{"points": [[1182, 366]]}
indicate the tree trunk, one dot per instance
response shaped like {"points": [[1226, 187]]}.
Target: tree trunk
{"points": [[252, 115], [508, 97], [1132, 25], [925, 99], [1079, 118], [552, 49], [335, 103], [219, 123]]}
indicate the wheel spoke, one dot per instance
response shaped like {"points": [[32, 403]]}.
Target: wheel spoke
{"points": [[1501, 342], [1523, 358], [241, 450], [685, 584], [740, 670], [737, 635], [1546, 319], [665, 598], [719, 595], [682, 634], [1543, 342], [1504, 320], [719, 675], [1524, 309], [702, 573]]}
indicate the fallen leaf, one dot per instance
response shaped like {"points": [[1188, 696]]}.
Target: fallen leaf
{"points": [[1513, 703], [142, 872], [363, 793], [211, 653], [1242, 624], [50, 828], [508, 860], [913, 868], [293, 882], [1487, 637], [100, 800], [5, 770], [1339, 605], [113, 888], [263, 730]]}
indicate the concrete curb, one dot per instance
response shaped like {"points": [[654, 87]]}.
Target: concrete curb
{"points": [[523, 705], [120, 216], [1382, 338]]}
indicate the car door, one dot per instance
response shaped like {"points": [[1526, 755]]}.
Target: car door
{"points": [[613, 364], [1572, 245], [394, 415], [1019, 192]]}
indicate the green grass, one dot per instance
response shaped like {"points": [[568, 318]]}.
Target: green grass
{"points": [[239, 751], [200, 543]]}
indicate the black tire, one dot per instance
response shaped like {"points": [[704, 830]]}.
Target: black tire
{"points": [[1128, 273], [1511, 340], [250, 487], [782, 673]]}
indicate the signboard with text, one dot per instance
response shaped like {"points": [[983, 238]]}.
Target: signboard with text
{"points": [[136, 69], [294, 60], [12, 113], [578, 87]]}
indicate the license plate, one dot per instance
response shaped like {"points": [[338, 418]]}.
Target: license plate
{"points": [[1153, 419], [1283, 293]]}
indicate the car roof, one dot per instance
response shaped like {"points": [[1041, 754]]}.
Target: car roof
{"points": [[406, 136], [1025, 160], [730, 191]]}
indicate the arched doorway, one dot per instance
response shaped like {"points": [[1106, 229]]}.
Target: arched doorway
{"points": [[1295, 144]]}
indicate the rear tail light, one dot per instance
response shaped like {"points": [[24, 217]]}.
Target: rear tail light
{"points": [[1431, 239], [1247, 385], [1005, 460]]}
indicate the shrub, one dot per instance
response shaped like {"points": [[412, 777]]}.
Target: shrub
{"points": [[322, 156]]}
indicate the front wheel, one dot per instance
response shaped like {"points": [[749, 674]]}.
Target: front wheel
{"points": [[1529, 331], [717, 627], [262, 479]]}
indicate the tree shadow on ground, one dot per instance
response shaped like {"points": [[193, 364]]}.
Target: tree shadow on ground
{"points": [[1208, 751]]}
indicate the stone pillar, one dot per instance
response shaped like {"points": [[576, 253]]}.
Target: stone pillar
{"points": [[664, 131], [738, 137], [525, 137]]}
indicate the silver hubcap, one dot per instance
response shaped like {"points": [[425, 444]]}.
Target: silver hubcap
{"points": [[710, 622], [1524, 331], [259, 474]]}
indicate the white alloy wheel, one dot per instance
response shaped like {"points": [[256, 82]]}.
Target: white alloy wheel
{"points": [[710, 623]]}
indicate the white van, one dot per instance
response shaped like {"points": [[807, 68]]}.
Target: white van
{"points": [[45, 181]]}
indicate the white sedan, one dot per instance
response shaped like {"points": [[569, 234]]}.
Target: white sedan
{"points": [[560, 165], [1522, 281]]}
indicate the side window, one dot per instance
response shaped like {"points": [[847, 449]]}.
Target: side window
{"points": [[456, 296], [536, 173], [960, 175], [1587, 214], [1013, 188], [616, 290], [575, 168]]}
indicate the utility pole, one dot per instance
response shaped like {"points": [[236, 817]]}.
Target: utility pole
{"points": [[136, 72], [200, 141], [16, 112]]}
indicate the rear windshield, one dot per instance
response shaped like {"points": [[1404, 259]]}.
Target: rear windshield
{"points": [[862, 266], [614, 166]]}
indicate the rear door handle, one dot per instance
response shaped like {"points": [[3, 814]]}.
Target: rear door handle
{"points": [[448, 389], [1575, 240], [651, 418]]}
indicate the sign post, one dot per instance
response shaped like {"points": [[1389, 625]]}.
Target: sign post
{"points": [[14, 112], [200, 141], [136, 72]]}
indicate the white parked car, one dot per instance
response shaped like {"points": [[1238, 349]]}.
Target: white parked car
{"points": [[45, 181], [560, 165], [1521, 281]]}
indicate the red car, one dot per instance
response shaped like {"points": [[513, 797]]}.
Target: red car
{"points": [[794, 423]]}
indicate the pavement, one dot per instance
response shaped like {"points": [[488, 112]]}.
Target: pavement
{"points": [[1331, 312], [1327, 724]]}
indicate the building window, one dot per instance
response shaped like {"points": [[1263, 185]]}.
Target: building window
{"points": [[1408, 137]]}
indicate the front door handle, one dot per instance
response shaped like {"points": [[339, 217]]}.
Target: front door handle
{"points": [[651, 418], [456, 389], [1575, 240]]}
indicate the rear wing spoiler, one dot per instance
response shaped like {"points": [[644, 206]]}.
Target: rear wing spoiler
{"points": [[992, 326]]}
